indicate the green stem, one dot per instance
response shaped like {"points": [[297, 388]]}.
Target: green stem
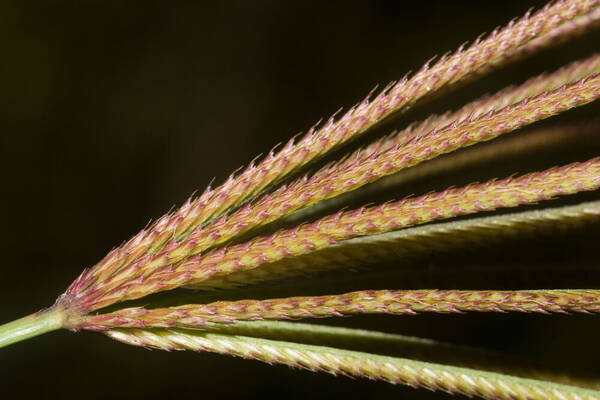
{"points": [[32, 325]]}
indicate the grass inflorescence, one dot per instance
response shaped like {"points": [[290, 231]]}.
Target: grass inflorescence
{"points": [[291, 215]]}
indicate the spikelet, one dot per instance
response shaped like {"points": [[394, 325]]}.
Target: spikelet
{"points": [[522, 145], [570, 29], [400, 143], [394, 370], [449, 70], [465, 64], [359, 169], [406, 245], [402, 346], [362, 302], [491, 195]]}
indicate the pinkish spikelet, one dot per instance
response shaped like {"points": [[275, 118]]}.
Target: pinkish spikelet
{"points": [[329, 230], [464, 64], [356, 171], [569, 30]]}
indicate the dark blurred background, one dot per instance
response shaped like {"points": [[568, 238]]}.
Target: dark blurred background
{"points": [[113, 112]]}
